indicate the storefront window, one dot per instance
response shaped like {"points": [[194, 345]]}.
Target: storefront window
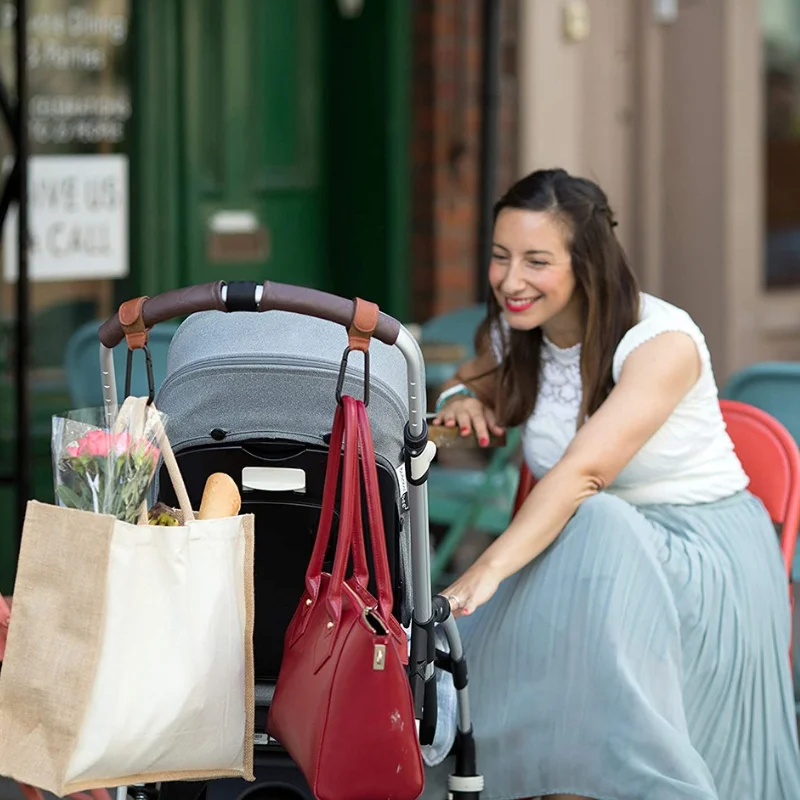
{"points": [[79, 108], [780, 27]]}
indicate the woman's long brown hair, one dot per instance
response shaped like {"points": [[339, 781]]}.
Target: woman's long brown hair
{"points": [[607, 286]]}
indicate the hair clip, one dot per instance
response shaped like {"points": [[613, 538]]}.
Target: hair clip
{"points": [[609, 215]]}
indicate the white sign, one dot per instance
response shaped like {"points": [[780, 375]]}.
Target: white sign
{"points": [[77, 217]]}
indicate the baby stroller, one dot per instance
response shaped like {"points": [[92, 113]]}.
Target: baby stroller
{"points": [[253, 395]]}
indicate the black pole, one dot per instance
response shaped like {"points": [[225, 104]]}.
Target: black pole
{"points": [[23, 454], [490, 112]]}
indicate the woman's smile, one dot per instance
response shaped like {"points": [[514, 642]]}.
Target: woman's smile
{"points": [[516, 305]]}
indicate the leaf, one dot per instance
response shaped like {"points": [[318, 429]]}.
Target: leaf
{"points": [[70, 498]]}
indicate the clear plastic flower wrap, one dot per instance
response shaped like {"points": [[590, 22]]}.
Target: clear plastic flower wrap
{"points": [[105, 462]]}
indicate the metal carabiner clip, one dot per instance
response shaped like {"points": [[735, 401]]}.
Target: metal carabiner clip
{"points": [[343, 370], [151, 387]]}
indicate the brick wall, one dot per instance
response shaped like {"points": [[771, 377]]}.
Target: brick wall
{"points": [[446, 143]]}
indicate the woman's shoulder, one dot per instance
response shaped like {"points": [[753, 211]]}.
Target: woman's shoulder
{"points": [[654, 312], [657, 316], [652, 307]]}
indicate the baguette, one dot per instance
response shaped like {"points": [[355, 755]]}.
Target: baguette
{"points": [[221, 497]]}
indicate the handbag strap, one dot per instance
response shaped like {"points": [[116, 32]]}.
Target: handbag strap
{"points": [[314, 569], [369, 469], [351, 425], [132, 416], [344, 429], [350, 505], [360, 566]]}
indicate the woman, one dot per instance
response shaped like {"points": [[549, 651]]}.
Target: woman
{"points": [[628, 634]]}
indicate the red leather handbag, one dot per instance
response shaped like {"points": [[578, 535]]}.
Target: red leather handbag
{"points": [[342, 706]]}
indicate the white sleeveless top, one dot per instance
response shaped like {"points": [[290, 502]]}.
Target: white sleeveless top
{"points": [[690, 459]]}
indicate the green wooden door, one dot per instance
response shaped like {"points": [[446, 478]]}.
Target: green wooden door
{"points": [[251, 118], [288, 115]]}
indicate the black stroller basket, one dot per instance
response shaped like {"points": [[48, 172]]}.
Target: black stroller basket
{"points": [[207, 437]]}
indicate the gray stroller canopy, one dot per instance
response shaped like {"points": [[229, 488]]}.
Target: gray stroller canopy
{"points": [[274, 375]]}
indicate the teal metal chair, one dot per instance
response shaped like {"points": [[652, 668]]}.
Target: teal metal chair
{"points": [[466, 498], [456, 327], [82, 364], [48, 346], [772, 386]]}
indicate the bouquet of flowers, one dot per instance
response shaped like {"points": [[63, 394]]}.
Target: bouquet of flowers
{"points": [[103, 462]]}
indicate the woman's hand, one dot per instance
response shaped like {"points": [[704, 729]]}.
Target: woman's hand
{"points": [[474, 588], [470, 415]]}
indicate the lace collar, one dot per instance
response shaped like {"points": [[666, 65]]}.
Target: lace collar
{"points": [[563, 355]]}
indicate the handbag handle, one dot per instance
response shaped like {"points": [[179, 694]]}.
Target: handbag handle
{"points": [[350, 425], [125, 418], [380, 557], [352, 491], [350, 503], [344, 428], [360, 567], [314, 568]]}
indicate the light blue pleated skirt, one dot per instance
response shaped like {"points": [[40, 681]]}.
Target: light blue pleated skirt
{"points": [[643, 656]]}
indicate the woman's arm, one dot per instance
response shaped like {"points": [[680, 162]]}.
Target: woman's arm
{"points": [[655, 377]]}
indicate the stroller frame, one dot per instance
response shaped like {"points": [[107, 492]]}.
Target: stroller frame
{"points": [[428, 611]]}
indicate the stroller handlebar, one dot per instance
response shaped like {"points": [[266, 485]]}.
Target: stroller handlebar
{"points": [[247, 296], [314, 303], [166, 306]]}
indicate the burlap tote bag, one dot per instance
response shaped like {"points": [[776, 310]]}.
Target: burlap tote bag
{"points": [[129, 654]]}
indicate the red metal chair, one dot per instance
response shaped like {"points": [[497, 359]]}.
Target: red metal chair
{"points": [[771, 459], [769, 456]]}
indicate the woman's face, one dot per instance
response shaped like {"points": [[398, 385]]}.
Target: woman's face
{"points": [[531, 275]]}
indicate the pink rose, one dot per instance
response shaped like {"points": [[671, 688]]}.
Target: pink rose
{"points": [[95, 443], [73, 451]]}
